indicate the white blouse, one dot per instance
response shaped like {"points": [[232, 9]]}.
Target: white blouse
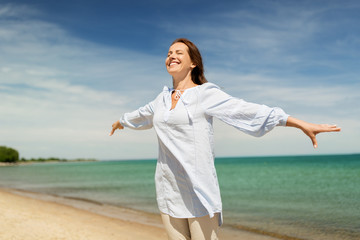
{"points": [[185, 178]]}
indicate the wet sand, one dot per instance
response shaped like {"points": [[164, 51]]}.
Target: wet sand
{"points": [[29, 216]]}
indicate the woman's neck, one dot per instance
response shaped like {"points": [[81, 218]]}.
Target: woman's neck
{"points": [[181, 83]]}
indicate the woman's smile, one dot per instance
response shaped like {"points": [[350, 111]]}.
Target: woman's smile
{"points": [[174, 62]]}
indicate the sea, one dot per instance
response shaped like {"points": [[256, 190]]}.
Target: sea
{"points": [[289, 197]]}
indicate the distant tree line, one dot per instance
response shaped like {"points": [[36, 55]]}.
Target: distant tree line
{"points": [[11, 155]]}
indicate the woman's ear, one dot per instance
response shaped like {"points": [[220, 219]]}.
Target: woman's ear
{"points": [[193, 66]]}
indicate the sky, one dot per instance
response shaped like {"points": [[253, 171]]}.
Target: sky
{"points": [[69, 69]]}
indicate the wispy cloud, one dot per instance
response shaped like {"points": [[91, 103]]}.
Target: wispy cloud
{"points": [[16, 11]]}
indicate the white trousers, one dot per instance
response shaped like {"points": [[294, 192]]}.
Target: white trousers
{"points": [[200, 228]]}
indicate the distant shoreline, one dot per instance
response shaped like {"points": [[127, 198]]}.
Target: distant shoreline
{"points": [[28, 162]]}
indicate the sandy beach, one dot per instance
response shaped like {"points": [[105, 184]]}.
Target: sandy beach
{"points": [[30, 216]]}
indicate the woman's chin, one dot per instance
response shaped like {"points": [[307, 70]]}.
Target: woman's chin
{"points": [[172, 71]]}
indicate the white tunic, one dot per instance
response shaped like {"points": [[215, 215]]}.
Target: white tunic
{"points": [[185, 179]]}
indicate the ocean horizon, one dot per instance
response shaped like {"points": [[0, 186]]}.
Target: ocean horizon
{"points": [[298, 197]]}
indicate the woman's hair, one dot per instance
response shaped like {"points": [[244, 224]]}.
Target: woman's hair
{"points": [[197, 74]]}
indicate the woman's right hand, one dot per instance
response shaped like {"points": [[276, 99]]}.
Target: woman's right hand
{"points": [[116, 125]]}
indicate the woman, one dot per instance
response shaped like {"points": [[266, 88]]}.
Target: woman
{"points": [[187, 189]]}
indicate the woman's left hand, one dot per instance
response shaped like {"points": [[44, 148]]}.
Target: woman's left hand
{"points": [[116, 125], [311, 129]]}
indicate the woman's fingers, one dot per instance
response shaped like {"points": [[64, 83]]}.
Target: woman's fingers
{"points": [[329, 128], [112, 131], [314, 141], [335, 128]]}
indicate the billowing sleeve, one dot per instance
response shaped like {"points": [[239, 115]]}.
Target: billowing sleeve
{"points": [[251, 118], [140, 119]]}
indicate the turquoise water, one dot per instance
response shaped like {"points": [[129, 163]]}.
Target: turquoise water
{"points": [[304, 197], [312, 197]]}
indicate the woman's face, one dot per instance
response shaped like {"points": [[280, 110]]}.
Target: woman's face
{"points": [[178, 59]]}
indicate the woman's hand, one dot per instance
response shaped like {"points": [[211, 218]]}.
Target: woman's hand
{"points": [[116, 125], [311, 129]]}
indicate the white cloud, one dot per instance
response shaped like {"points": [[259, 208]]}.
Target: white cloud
{"points": [[16, 11], [277, 91]]}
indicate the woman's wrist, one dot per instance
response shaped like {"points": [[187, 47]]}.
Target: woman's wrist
{"points": [[294, 122]]}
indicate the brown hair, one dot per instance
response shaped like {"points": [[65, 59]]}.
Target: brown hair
{"points": [[197, 74]]}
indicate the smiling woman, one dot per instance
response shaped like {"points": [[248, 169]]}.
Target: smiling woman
{"points": [[187, 188]]}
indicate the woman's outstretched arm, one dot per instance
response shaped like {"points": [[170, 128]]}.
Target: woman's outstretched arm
{"points": [[311, 129]]}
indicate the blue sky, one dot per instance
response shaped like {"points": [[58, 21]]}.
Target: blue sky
{"points": [[69, 69]]}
